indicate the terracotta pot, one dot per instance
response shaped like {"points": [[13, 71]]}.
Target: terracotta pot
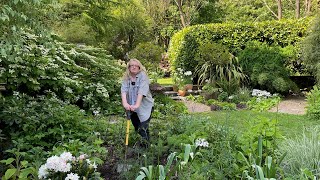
{"points": [[175, 88], [182, 93], [189, 87]]}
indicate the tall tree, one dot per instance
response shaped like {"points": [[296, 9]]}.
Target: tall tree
{"points": [[279, 4], [311, 49], [278, 15], [182, 13], [308, 7], [297, 9], [165, 19], [188, 10]]}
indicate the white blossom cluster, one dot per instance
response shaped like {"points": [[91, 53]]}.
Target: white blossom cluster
{"points": [[63, 163], [188, 73], [182, 77], [72, 176], [260, 93], [202, 143]]}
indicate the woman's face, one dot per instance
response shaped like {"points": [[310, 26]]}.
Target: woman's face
{"points": [[134, 67]]}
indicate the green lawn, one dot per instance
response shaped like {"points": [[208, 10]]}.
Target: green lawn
{"points": [[165, 81], [289, 125]]}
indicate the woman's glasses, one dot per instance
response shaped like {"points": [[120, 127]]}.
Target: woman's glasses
{"points": [[134, 66]]}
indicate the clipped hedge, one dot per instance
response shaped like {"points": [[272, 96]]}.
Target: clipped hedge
{"points": [[184, 44]]}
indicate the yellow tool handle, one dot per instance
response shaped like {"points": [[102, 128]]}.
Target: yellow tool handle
{"points": [[127, 132]]}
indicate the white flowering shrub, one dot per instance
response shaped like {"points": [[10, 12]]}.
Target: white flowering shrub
{"points": [[181, 77], [201, 143], [68, 167], [260, 93], [262, 100]]}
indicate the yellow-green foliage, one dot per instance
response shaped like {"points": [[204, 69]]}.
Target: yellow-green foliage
{"points": [[184, 44]]}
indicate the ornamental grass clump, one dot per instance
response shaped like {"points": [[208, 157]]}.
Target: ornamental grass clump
{"points": [[68, 167], [303, 153]]}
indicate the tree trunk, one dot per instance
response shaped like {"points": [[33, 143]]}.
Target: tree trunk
{"points": [[297, 9], [279, 9], [307, 7], [179, 4]]}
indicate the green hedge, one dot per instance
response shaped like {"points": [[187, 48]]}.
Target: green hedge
{"points": [[184, 44]]}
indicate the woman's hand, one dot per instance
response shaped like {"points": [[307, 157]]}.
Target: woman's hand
{"points": [[134, 107], [126, 106]]}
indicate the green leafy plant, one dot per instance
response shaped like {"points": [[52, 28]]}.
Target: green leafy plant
{"points": [[261, 104], [313, 103], [149, 54], [165, 106], [209, 91], [175, 163], [264, 65], [223, 96], [80, 75], [46, 121], [219, 67], [262, 169], [162, 173], [310, 49], [243, 94], [18, 168]]}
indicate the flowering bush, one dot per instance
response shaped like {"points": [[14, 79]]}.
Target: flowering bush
{"points": [[202, 143], [262, 100], [260, 93], [181, 77], [68, 167]]}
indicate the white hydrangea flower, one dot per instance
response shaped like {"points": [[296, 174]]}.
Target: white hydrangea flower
{"points": [[58, 164], [260, 93], [43, 172], [72, 176], [66, 156]]}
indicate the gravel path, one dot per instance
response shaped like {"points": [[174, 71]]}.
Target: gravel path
{"points": [[196, 107], [290, 105]]}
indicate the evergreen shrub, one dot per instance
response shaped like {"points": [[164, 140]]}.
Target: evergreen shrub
{"points": [[265, 67], [184, 45]]}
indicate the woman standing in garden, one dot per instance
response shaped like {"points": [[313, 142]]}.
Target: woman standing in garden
{"points": [[136, 97]]}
